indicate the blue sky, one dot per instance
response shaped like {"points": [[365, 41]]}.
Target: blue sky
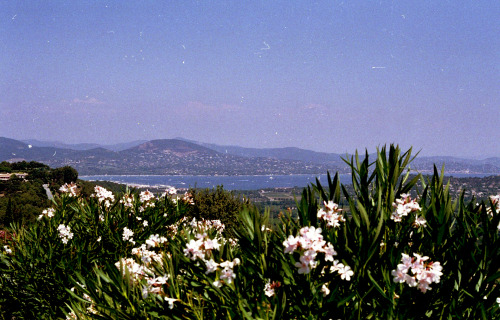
{"points": [[330, 76]]}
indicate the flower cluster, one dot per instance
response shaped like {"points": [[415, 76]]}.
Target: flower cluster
{"points": [[49, 213], [147, 256], [7, 249], [404, 206], [419, 222], [345, 271], [331, 215], [202, 246], [71, 189], [197, 226], [144, 270], [171, 191], [65, 233], [495, 200], [155, 240], [135, 270], [90, 309], [227, 274], [146, 196], [127, 200], [270, 286], [147, 199], [188, 198], [205, 225], [154, 285], [308, 244], [423, 273], [324, 290], [128, 235], [103, 196]]}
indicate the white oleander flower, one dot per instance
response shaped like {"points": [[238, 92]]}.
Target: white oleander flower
{"points": [[65, 233], [49, 213], [146, 196], [103, 196], [325, 290], [127, 235], [7, 249], [71, 189]]}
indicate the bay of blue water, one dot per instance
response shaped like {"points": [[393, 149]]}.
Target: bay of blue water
{"points": [[230, 182]]}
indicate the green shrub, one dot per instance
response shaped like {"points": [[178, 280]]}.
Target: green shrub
{"points": [[385, 255], [216, 204]]}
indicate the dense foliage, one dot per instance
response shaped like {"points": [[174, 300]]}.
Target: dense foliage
{"points": [[216, 204], [21, 200], [394, 256]]}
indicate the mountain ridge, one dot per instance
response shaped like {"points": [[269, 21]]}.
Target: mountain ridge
{"points": [[182, 156]]}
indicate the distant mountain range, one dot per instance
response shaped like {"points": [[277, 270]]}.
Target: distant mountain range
{"points": [[185, 157], [83, 146]]}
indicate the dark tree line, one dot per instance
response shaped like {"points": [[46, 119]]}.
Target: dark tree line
{"points": [[22, 200]]}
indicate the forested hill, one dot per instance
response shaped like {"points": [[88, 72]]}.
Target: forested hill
{"points": [[167, 156]]}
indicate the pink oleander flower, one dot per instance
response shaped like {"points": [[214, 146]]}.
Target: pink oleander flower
{"points": [[155, 240], [211, 244], [309, 243], [403, 206], [423, 272], [269, 288], [419, 222], [399, 275], [227, 275], [329, 252], [291, 244], [147, 256], [330, 214]]}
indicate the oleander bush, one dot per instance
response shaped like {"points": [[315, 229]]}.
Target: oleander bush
{"points": [[385, 255]]}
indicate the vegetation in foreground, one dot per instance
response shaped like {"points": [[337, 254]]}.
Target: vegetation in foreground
{"points": [[395, 256]]}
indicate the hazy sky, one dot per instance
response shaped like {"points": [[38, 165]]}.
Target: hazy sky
{"points": [[330, 76]]}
